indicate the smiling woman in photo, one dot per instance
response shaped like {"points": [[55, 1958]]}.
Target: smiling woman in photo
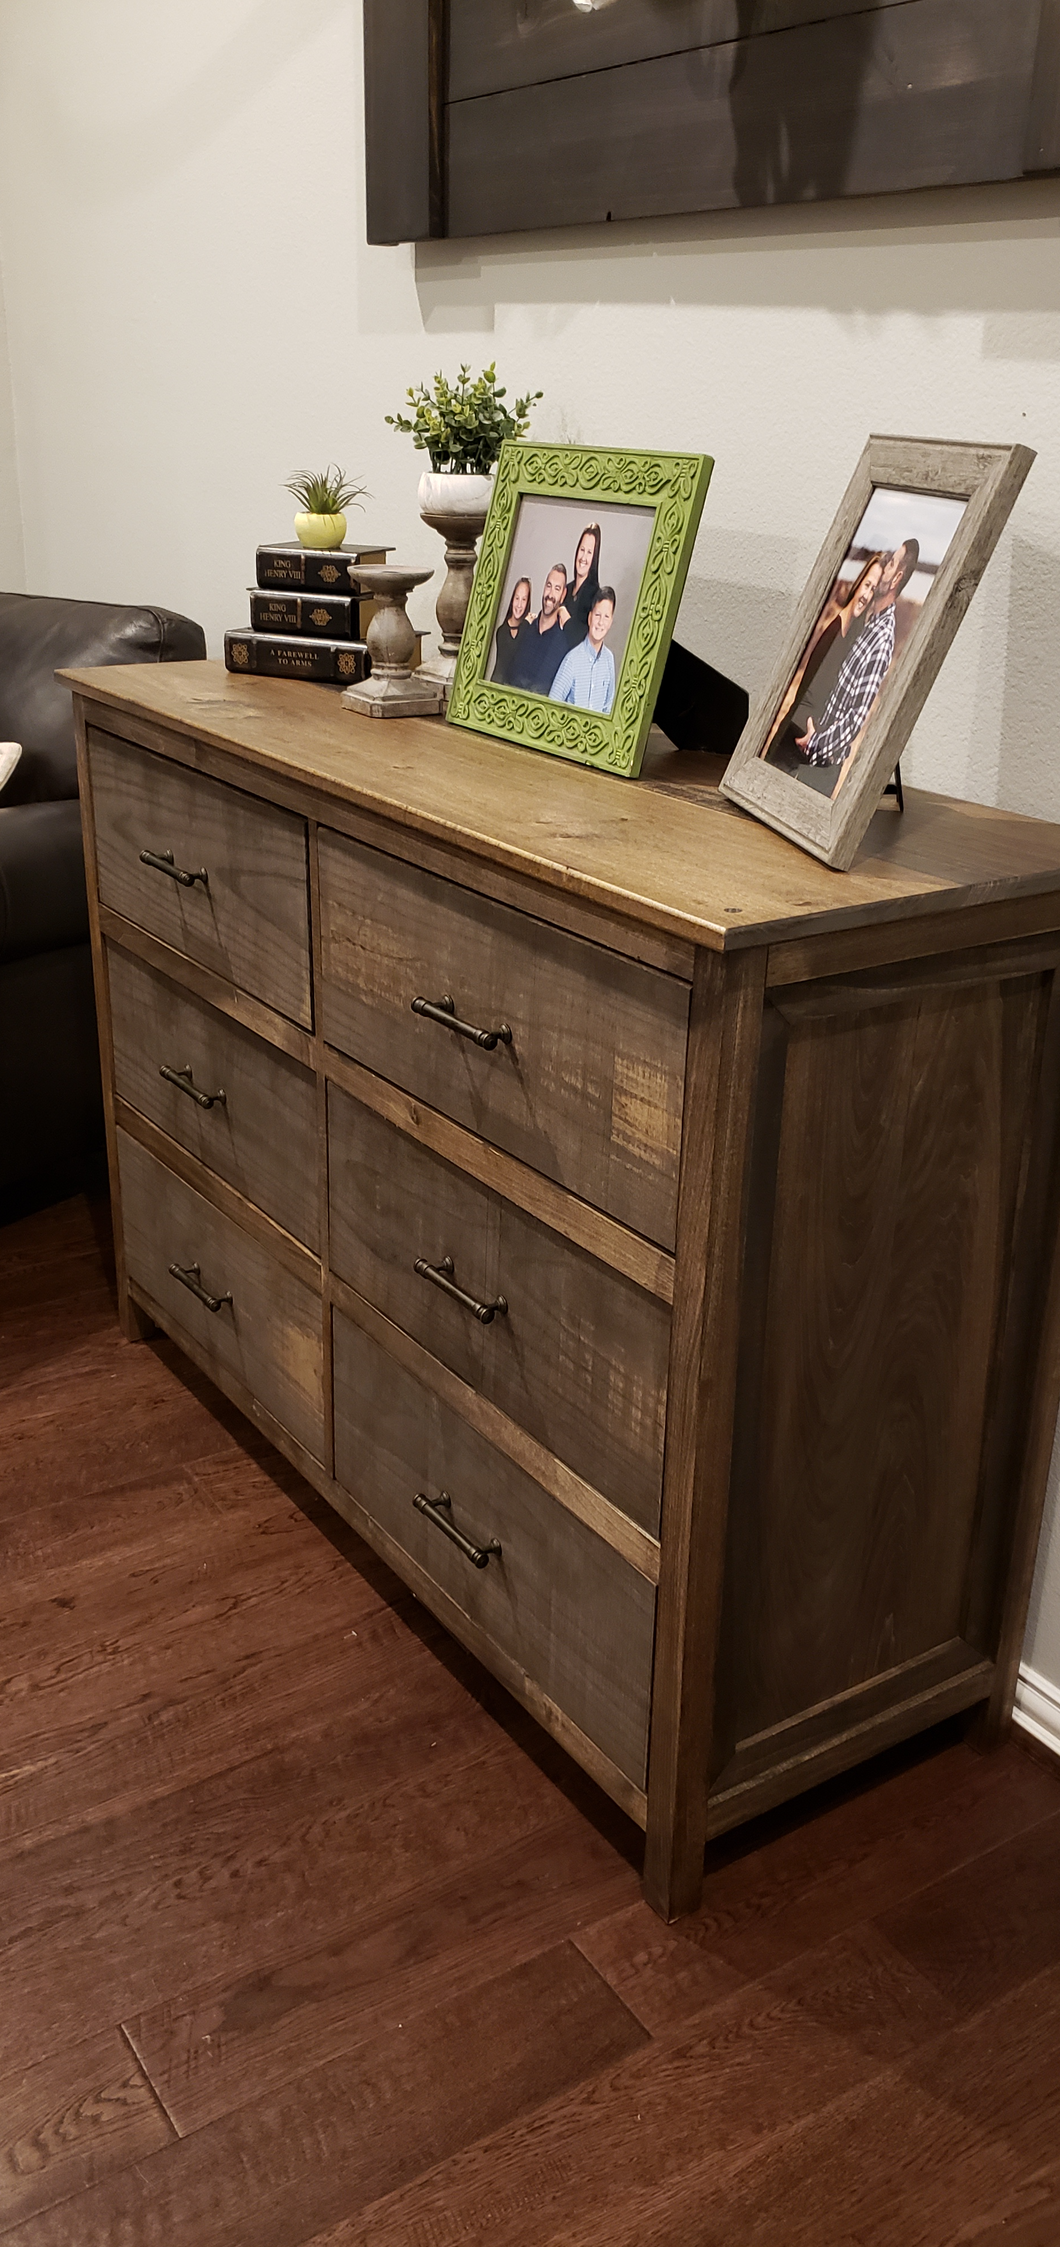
{"points": [[583, 586], [511, 633]]}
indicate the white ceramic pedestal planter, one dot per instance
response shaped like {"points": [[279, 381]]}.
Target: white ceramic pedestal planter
{"points": [[457, 506]]}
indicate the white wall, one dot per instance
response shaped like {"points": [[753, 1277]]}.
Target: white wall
{"points": [[193, 312], [12, 558]]}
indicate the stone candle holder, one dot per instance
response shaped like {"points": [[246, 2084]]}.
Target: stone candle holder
{"points": [[394, 689]]}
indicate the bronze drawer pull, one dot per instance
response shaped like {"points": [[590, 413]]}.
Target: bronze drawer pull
{"points": [[441, 1275], [438, 1510], [162, 861], [189, 1278], [445, 1013], [182, 1079]]}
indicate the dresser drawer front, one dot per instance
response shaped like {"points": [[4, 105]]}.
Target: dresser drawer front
{"points": [[250, 920], [262, 1137], [589, 1089], [558, 1601], [269, 1337], [579, 1356]]}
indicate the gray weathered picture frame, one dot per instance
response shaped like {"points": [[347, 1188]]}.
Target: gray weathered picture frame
{"points": [[988, 478]]}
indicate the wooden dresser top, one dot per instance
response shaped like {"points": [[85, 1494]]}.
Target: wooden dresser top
{"points": [[666, 849]]}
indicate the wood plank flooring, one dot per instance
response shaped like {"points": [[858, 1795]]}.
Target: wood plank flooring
{"points": [[308, 1938]]}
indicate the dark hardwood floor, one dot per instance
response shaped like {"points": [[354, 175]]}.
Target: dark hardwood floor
{"points": [[308, 1934]]}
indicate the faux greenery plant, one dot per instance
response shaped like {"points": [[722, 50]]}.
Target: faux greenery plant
{"points": [[325, 492], [463, 425]]}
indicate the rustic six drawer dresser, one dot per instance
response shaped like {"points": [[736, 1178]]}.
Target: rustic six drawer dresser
{"points": [[643, 1235]]}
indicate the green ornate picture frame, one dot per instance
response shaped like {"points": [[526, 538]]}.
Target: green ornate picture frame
{"points": [[671, 487]]}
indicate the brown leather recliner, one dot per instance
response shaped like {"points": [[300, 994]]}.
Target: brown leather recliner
{"points": [[51, 1116]]}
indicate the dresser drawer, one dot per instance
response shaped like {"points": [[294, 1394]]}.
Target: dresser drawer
{"points": [[260, 1129], [558, 1601], [249, 920], [269, 1336], [588, 1089], [579, 1355]]}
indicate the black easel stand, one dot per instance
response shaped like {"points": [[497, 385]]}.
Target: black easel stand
{"points": [[894, 787]]}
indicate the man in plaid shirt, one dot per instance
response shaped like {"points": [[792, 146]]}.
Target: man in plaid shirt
{"points": [[864, 671]]}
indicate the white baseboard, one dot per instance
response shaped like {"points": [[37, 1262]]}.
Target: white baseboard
{"points": [[1037, 1709]]}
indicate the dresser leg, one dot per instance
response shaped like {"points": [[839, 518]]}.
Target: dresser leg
{"points": [[136, 1325], [673, 1867]]}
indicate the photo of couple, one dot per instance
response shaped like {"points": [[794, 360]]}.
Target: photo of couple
{"points": [[562, 630], [887, 573]]}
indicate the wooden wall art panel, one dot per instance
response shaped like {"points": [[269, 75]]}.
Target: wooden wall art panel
{"points": [[501, 116]]}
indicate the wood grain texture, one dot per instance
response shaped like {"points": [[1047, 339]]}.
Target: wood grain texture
{"points": [[578, 1357], [694, 868], [249, 922], [173, 1157], [641, 1261], [202, 2046], [495, 45], [722, 1066], [286, 2164], [269, 1336], [588, 1089], [261, 1810], [262, 1138], [576, 1496], [888, 1246], [988, 478], [223, 997], [865, 102], [403, 170], [575, 1617], [70, 2120]]}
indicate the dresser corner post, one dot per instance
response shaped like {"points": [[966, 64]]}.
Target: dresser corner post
{"points": [[725, 1028], [135, 1324]]}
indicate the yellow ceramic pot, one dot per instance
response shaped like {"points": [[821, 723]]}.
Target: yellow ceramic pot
{"points": [[320, 531]]}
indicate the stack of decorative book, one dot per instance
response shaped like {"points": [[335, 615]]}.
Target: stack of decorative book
{"points": [[306, 622]]}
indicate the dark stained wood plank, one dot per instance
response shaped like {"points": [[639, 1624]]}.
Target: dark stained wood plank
{"points": [[255, 1863], [71, 2121], [990, 1926], [935, 2140], [207, 2051], [497, 44], [760, 2063], [403, 64], [366, 2122], [234, 1681], [923, 95], [656, 1970], [856, 1850], [168, 1414]]}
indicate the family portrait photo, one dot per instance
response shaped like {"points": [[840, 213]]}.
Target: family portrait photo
{"points": [[887, 573], [568, 598]]}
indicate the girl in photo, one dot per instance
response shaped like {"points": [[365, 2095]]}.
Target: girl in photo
{"points": [[511, 634]]}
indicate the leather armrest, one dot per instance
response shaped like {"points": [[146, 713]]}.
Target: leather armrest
{"points": [[43, 906]]}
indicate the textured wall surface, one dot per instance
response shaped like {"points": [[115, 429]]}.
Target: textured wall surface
{"points": [[192, 313]]}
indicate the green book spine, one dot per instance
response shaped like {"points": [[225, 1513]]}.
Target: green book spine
{"points": [[274, 655]]}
